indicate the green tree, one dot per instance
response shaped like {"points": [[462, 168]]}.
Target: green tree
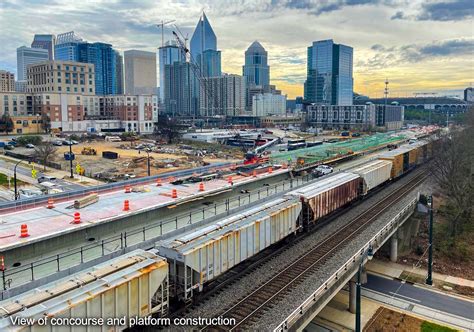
{"points": [[6, 124]]}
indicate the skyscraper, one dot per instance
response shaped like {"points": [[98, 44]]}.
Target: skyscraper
{"points": [[28, 56], [256, 69], [329, 74], [70, 47], [119, 73], [45, 42], [256, 72], [204, 48], [178, 89], [228, 96], [168, 54], [140, 72], [67, 46]]}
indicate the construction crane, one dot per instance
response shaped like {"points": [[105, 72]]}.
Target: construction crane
{"points": [[196, 70], [162, 25]]}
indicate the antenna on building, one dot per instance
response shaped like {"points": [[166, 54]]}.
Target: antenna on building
{"points": [[386, 92], [162, 25]]}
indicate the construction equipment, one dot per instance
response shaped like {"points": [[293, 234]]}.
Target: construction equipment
{"points": [[88, 151]]}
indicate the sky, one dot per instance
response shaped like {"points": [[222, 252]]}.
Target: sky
{"points": [[420, 46]]}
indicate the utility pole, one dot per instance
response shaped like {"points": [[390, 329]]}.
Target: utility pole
{"points": [[429, 278]]}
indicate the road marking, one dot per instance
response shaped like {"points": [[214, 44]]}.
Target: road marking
{"points": [[406, 297]]}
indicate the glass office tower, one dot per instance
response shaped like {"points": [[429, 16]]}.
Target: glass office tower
{"points": [[329, 74]]}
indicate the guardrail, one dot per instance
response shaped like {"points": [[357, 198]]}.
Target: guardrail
{"points": [[28, 202], [17, 276], [376, 242]]}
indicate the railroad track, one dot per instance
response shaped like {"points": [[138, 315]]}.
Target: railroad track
{"points": [[266, 296]]}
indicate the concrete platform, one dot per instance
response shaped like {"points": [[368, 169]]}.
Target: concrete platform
{"points": [[45, 223]]}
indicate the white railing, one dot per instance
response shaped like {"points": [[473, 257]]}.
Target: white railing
{"points": [[375, 242]]}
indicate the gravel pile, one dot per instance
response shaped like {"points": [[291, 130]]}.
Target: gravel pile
{"points": [[225, 299]]}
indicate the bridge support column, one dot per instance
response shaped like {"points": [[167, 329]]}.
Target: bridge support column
{"points": [[352, 296], [394, 248]]}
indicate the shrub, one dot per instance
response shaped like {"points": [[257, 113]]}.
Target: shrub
{"points": [[29, 139]]}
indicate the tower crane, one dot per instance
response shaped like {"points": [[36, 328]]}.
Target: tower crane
{"points": [[203, 80]]}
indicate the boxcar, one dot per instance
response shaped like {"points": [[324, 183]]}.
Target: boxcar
{"points": [[327, 195], [200, 256], [132, 285], [373, 174]]}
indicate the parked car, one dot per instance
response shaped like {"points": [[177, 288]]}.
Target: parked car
{"points": [[356, 135], [29, 146], [322, 170], [57, 143], [8, 147], [74, 142], [67, 143], [46, 178]]}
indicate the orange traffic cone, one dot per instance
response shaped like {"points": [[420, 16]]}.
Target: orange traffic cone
{"points": [[158, 182], [270, 170], [254, 173], [2, 263], [50, 203], [127, 189], [229, 180], [126, 205], [24, 230], [201, 186], [174, 193], [77, 218]]}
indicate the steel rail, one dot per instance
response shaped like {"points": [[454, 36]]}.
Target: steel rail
{"points": [[256, 300]]}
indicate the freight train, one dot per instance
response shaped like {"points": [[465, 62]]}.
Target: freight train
{"points": [[200, 256], [140, 283]]}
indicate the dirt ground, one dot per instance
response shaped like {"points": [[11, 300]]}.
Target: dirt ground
{"points": [[387, 320], [95, 164]]}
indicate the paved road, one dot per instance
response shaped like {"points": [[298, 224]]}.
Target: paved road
{"points": [[65, 185], [421, 296]]}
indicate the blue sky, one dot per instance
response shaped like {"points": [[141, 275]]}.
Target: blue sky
{"points": [[421, 46]]}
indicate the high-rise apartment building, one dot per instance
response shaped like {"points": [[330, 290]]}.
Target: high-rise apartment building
{"points": [[69, 47], [119, 73], [7, 81], [224, 95], [168, 54], [45, 42], [26, 56], [204, 48], [140, 72], [329, 74], [179, 90], [61, 77]]}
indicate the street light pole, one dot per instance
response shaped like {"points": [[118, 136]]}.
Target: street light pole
{"points": [[70, 159], [14, 179], [429, 278], [369, 254]]}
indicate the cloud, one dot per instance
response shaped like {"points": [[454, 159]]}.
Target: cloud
{"points": [[413, 53], [398, 16], [447, 10], [318, 7]]}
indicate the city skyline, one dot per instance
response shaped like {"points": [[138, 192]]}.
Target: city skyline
{"points": [[420, 47]]}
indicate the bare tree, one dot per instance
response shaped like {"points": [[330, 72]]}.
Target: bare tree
{"points": [[168, 128], [45, 152], [452, 168]]}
